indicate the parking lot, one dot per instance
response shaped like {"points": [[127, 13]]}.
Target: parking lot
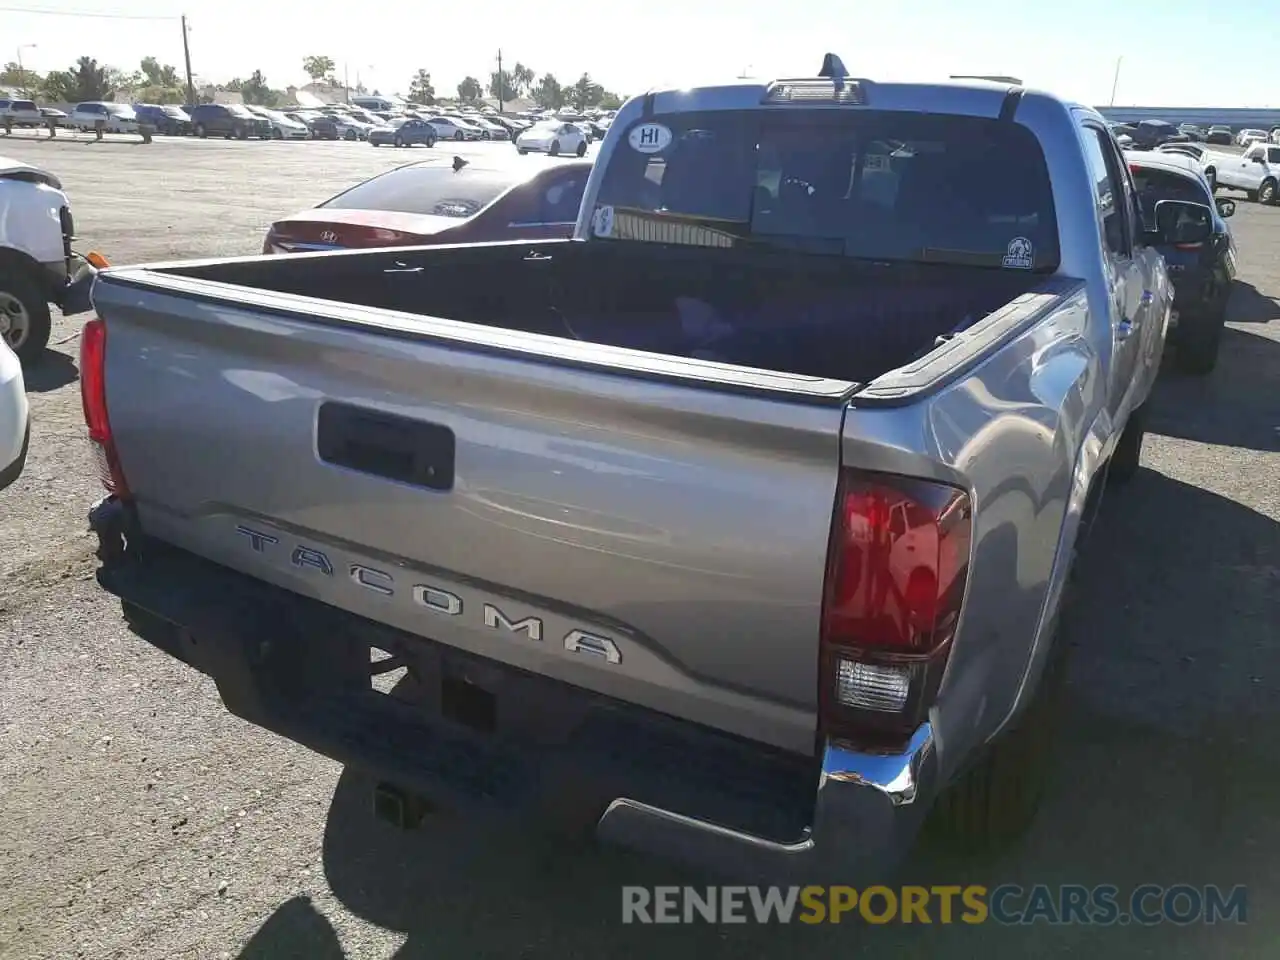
{"points": [[142, 821]]}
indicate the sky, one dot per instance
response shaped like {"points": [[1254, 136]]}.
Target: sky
{"points": [[1071, 49]]}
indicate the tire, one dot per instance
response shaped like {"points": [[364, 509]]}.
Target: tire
{"points": [[522, 151], [200, 131], [1211, 175], [554, 149], [1200, 340], [1127, 458], [994, 802], [459, 136], [23, 302], [374, 143], [242, 134], [431, 141], [1267, 192], [349, 135], [582, 149], [276, 134], [399, 141]]}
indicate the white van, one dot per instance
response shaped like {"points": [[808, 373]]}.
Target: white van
{"points": [[376, 103]]}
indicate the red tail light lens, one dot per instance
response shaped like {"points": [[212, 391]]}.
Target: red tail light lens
{"points": [[93, 397], [896, 574]]}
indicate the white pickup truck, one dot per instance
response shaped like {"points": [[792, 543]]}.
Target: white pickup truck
{"points": [[1256, 171]]}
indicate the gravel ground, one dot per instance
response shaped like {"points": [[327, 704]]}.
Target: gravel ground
{"points": [[139, 820]]}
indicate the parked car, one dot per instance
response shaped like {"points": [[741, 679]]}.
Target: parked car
{"points": [[15, 415], [21, 113], [322, 127], [1149, 134], [453, 128], [703, 530], [489, 129], [227, 120], [115, 117], [376, 104], [1275, 135], [1195, 151], [1191, 131], [1220, 134], [59, 117], [349, 128], [553, 137], [1202, 272], [1256, 171], [283, 127], [439, 201], [1251, 135], [405, 133], [166, 118], [38, 266]]}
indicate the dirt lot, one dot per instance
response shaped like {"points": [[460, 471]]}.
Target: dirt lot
{"points": [[138, 820]]}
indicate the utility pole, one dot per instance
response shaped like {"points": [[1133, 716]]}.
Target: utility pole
{"points": [[186, 56], [346, 82], [1116, 81], [502, 85], [22, 73]]}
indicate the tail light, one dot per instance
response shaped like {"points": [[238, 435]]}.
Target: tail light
{"points": [[896, 574], [93, 397], [1188, 246]]}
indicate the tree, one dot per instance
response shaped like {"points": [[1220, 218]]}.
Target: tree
{"points": [[24, 79], [121, 82], [521, 79], [420, 88], [85, 81], [500, 86], [155, 94], [585, 93], [255, 91], [317, 67], [235, 85], [157, 75], [548, 94], [611, 101], [469, 89]]}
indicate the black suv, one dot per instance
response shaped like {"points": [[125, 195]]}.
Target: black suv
{"points": [[227, 120]]}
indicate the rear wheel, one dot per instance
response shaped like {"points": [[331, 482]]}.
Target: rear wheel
{"points": [[200, 131], [1127, 457], [554, 150], [995, 801], [24, 314], [350, 135], [242, 133], [1267, 192], [399, 140], [1211, 175], [1200, 339], [277, 134], [459, 135]]}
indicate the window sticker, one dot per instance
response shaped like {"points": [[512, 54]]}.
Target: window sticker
{"points": [[1019, 255]]}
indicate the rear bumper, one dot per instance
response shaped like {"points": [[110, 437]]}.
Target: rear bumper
{"points": [[476, 735]]}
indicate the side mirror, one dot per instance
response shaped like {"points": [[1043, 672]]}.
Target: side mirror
{"points": [[1180, 222], [1226, 208]]}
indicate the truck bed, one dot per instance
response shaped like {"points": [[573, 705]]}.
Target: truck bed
{"points": [[600, 516], [824, 317]]}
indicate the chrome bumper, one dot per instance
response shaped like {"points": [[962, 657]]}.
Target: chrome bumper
{"points": [[869, 809]]}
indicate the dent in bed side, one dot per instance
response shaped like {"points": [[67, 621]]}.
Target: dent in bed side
{"points": [[1022, 432]]}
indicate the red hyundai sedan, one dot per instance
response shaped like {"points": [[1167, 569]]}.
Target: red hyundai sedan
{"points": [[438, 201]]}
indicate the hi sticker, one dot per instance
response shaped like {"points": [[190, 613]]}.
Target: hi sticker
{"points": [[649, 138], [602, 222], [1020, 255]]}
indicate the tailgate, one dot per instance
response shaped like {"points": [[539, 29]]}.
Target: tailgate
{"points": [[651, 537]]}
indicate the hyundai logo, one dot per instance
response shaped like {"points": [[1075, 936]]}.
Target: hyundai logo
{"points": [[329, 237]]}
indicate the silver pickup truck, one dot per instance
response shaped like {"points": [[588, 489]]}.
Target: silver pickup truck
{"points": [[734, 529]]}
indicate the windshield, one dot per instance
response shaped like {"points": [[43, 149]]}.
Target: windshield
{"points": [[434, 190], [120, 110], [175, 112], [238, 111], [874, 184]]}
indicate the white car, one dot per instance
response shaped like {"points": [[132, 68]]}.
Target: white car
{"points": [[1246, 137], [454, 128], [37, 267], [22, 113], [115, 117], [488, 129], [1256, 172], [282, 127], [349, 128], [554, 138], [15, 417]]}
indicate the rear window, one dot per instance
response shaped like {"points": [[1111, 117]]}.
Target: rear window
{"points": [[1155, 185], [23, 105], [434, 190], [869, 184]]}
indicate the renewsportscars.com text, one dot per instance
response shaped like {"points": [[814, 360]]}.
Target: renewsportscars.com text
{"points": [[1010, 904]]}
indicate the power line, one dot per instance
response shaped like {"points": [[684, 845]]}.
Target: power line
{"points": [[78, 13]]}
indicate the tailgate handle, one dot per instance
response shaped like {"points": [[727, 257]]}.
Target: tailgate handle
{"points": [[385, 445]]}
